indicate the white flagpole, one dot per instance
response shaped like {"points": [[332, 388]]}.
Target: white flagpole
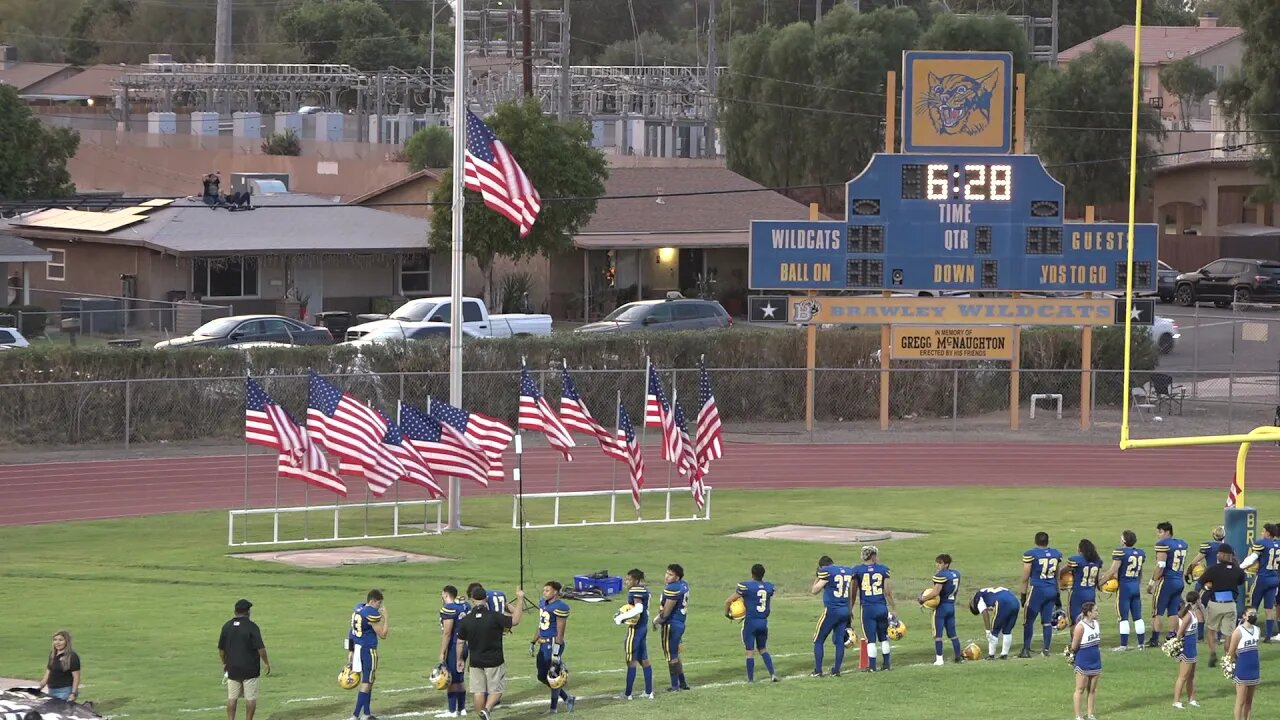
{"points": [[455, 284]]}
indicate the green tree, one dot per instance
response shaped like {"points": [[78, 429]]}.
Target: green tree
{"points": [[351, 32], [1251, 97], [33, 157], [598, 24], [430, 147], [560, 162], [1080, 119], [1189, 82], [1227, 11], [82, 49], [1080, 20], [653, 49], [984, 33]]}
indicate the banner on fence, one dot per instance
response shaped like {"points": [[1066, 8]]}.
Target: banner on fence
{"points": [[952, 343], [872, 310]]}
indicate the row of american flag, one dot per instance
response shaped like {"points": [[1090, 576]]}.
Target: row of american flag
{"points": [[420, 445]]}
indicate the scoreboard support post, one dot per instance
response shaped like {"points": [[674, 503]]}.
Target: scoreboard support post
{"points": [[1020, 114], [886, 331], [1015, 377], [1086, 354], [810, 352]]}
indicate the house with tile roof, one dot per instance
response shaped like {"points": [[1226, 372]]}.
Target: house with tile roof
{"points": [[1215, 48]]}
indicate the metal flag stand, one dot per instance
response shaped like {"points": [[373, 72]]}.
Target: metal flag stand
{"points": [[613, 488], [456, 255]]}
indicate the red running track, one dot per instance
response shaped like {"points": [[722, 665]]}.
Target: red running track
{"points": [[50, 492]]}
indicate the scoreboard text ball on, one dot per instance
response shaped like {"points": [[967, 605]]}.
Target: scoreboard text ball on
{"points": [[948, 214]]}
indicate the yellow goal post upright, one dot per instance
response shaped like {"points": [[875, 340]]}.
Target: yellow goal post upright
{"points": [[1240, 521]]}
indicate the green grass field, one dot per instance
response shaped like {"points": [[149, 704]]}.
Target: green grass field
{"points": [[145, 598]]}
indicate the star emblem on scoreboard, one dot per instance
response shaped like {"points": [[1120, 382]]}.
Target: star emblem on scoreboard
{"points": [[1143, 312], [767, 308]]}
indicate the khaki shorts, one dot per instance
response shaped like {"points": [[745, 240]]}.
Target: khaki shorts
{"points": [[487, 681], [1220, 617], [248, 689]]}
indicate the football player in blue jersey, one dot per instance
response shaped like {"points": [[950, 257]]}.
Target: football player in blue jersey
{"points": [[1265, 551], [636, 646], [757, 596], [999, 609], [1082, 570], [946, 583], [1166, 584], [1207, 558], [368, 626], [495, 599], [670, 620], [834, 582], [548, 640], [1040, 569], [451, 611], [875, 591], [1126, 567]]}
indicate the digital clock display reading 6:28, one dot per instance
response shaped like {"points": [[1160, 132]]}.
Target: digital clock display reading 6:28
{"points": [[971, 182]]}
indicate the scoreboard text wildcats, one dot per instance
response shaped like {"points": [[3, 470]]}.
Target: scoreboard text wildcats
{"points": [[806, 239]]}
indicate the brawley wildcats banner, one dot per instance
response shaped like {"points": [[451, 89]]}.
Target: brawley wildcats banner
{"points": [[19, 703]]}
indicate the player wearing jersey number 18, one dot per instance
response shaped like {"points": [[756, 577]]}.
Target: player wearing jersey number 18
{"points": [[757, 599]]}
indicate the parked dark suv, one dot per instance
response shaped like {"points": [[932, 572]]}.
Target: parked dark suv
{"points": [[1230, 280]]}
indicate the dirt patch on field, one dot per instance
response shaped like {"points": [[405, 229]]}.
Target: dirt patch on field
{"points": [[817, 533], [337, 557]]}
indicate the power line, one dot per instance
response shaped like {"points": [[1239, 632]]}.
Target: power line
{"points": [[129, 200]]}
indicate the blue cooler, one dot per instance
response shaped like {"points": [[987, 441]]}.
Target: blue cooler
{"points": [[609, 585]]}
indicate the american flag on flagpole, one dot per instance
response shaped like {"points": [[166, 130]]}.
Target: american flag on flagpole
{"points": [[268, 424], [708, 445], [657, 413], [442, 455], [625, 448], [489, 169], [492, 436], [1233, 491], [353, 431], [536, 414], [577, 418], [688, 460], [416, 469]]}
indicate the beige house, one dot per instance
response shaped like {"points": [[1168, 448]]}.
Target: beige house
{"points": [[656, 232], [1217, 49]]}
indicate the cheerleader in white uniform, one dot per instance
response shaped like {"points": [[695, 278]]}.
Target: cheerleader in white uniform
{"points": [[1243, 647], [1190, 620], [1085, 648]]}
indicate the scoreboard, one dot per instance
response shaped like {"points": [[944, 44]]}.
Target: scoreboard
{"points": [[951, 223]]}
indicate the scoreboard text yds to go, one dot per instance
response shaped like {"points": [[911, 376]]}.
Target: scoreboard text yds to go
{"points": [[951, 223]]}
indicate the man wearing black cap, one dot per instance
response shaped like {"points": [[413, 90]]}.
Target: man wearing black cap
{"points": [[243, 655], [1221, 583]]}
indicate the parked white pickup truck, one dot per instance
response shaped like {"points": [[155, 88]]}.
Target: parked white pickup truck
{"points": [[475, 317]]}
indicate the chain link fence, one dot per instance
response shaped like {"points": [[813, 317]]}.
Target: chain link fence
{"points": [[966, 403]]}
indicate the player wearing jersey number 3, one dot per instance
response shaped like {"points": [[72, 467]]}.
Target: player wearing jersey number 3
{"points": [[757, 598]]}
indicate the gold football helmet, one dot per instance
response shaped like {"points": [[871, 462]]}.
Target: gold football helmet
{"points": [[557, 676], [972, 651], [932, 603], [850, 638], [897, 629], [737, 609], [1110, 586], [628, 621], [348, 679], [440, 677]]}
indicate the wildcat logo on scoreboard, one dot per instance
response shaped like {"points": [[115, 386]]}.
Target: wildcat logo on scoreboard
{"points": [[957, 102]]}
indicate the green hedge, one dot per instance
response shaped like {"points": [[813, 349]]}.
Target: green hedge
{"points": [[757, 376]]}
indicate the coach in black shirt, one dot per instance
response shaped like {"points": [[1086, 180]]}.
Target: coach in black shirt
{"points": [[482, 630], [243, 655], [1221, 583]]}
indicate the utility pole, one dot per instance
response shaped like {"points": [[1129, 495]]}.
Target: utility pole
{"points": [[566, 37], [528, 46], [431, 62], [712, 82], [222, 33], [817, 11]]}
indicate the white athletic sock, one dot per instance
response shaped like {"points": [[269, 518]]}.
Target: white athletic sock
{"points": [[1124, 627], [991, 643], [884, 647], [872, 650], [1008, 643], [1139, 627]]}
